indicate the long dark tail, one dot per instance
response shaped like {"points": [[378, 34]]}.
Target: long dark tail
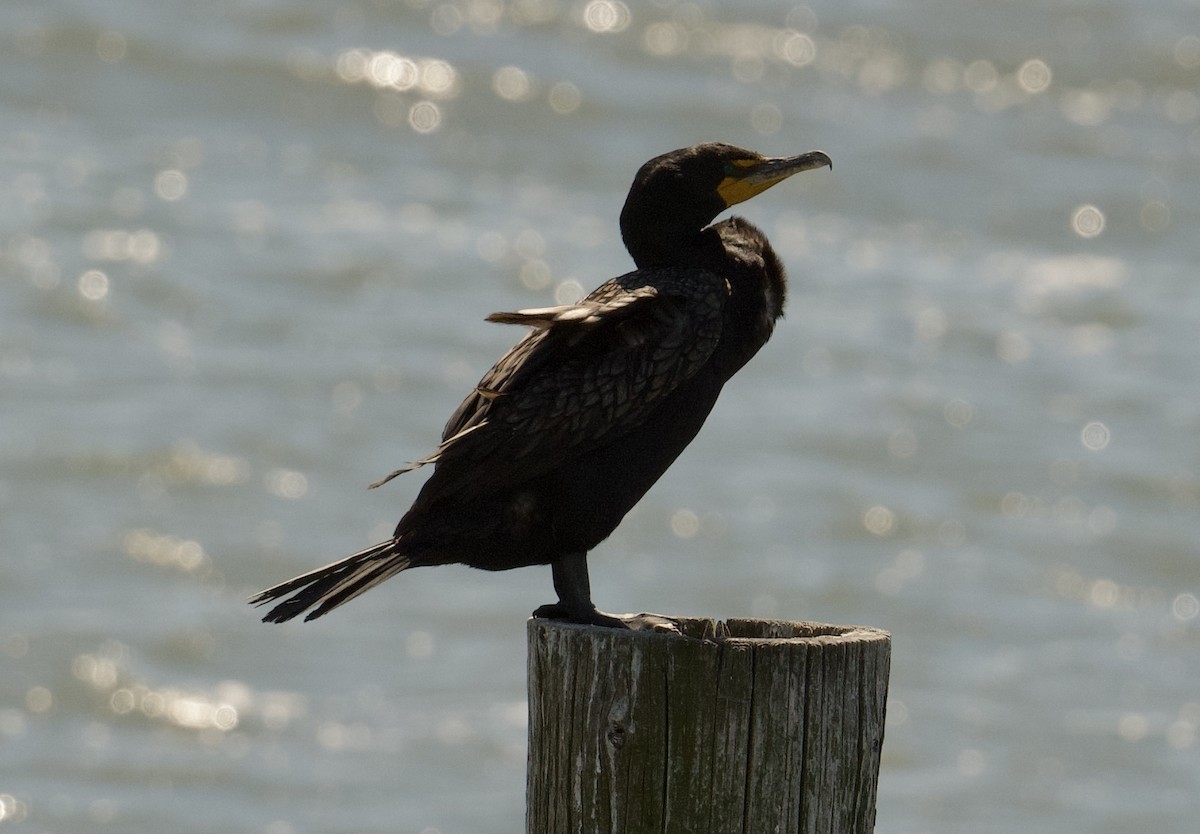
{"points": [[336, 583]]}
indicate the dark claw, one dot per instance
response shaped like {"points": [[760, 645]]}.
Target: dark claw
{"points": [[551, 611]]}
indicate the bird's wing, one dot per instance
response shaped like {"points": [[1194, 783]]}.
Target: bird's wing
{"points": [[588, 372]]}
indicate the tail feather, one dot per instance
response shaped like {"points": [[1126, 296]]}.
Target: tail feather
{"points": [[324, 589]]}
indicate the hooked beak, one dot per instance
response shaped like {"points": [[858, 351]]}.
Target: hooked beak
{"points": [[754, 176]]}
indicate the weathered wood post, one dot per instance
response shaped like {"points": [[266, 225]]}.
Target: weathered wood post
{"points": [[736, 727]]}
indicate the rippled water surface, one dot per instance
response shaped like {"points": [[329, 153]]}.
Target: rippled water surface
{"points": [[246, 250]]}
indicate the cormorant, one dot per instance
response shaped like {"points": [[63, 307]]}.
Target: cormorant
{"points": [[577, 421]]}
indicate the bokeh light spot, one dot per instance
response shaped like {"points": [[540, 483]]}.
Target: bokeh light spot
{"points": [[1095, 436], [425, 117], [446, 19], [565, 97], [568, 292], [170, 185], [958, 413], [93, 285], [606, 16], [1087, 108], [766, 118], [491, 246], [387, 69], [980, 76], [1034, 76], [529, 243], [146, 545], [747, 67], [685, 524], [664, 38], [1185, 607], [1087, 221], [438, 78], [351, 65], [535, 274], [1013, 347], [798, 49], [512, 84], [879, 521], [1104, 593], [39, 699], [1132, 727], [287, 483]]}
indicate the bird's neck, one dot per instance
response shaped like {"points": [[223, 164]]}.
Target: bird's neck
{"points": [[672, 247]]}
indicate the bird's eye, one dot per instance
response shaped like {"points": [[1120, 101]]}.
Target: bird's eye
{"points": [[734, 167]]}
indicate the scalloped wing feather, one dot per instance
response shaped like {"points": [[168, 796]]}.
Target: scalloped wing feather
{"points": [[588, 372]]}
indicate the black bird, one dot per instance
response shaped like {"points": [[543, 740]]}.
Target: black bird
{"points": [[569, 429]]}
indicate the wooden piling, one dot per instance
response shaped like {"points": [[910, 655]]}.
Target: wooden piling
{"points": [[736, 727]]}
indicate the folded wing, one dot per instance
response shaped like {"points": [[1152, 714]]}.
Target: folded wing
{"points": [[588, 373]]}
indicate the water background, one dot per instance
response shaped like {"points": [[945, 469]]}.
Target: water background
{"points": [[246, 250]]}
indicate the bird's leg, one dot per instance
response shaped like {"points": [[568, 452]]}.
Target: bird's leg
{"points": [[574, 589], [574, 605]]}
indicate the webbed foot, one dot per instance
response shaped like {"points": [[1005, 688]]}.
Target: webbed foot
{"points": [[596, 617], [575, 601]]}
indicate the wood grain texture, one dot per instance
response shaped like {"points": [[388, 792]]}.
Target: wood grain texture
{"points": [[740, 726]]}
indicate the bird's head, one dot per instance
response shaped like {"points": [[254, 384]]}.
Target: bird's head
{"points": [[676, 195]]}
